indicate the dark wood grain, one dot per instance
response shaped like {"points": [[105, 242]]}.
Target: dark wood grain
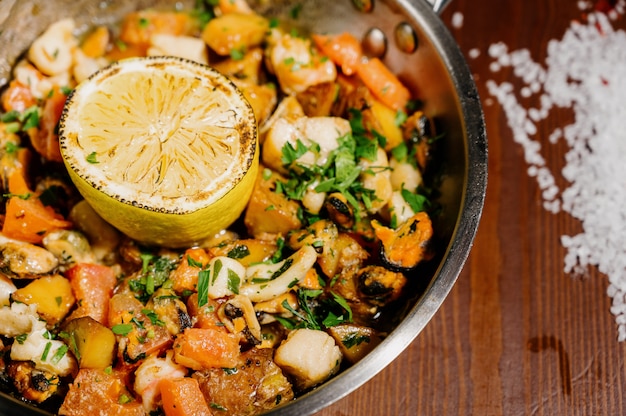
{"points": [[517, 335]]}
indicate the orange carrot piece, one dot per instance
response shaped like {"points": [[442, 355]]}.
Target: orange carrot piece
{"points": [[183, 397], [138, 27], [18, 97], [383, 84], [234, 6], [199, 348], [185, 276], [93, 286], [96, 43], [343, 49], [27, 218]]}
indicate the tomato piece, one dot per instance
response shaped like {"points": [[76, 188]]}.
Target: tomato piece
{"points": [[93, 286]]}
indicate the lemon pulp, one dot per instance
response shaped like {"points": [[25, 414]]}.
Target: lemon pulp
{"points": [[163, 148]]}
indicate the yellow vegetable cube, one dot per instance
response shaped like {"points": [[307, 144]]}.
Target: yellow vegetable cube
{"points": [[92, 343], [52, 294]]}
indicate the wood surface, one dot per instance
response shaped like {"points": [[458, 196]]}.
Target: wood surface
{"points": [[517, 335]]}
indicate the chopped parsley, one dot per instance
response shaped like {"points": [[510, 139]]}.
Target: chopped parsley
{"points": [[353, 339], [92, 158], [46, 351], [59, 354], [122, 329], [239, 252], [341, 171], [316, 310], [237, 54], [233, 281], [204, 11], [16, 121], [203, 287], [416, 201], [154, 273]]}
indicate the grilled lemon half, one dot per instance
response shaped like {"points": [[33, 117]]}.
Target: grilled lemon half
{"points": [[164, 149]]}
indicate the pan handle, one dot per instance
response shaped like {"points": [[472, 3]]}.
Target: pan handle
{"points": [[438, 5]]}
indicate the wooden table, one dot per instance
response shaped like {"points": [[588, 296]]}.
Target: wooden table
{"points": [[517, 335]]}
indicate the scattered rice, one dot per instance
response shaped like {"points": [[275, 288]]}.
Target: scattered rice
{"points": [[457, 20], [584, 71]]}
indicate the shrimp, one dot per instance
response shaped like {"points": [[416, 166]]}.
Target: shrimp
{"points": [[47, 354], [181, 46], [298, 65], [40, 85], [376, 176], [321, 132], [404, 175], [52, 51], [6, 288], [85, 65], [150, 373]]}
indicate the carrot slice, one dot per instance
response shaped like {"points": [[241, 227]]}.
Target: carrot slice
{"points": [[185, 276], [183, 397], [95, 44], [199, 348], [383, 84], [234, 6], [27, 218], [343, 49], [18, 97]]}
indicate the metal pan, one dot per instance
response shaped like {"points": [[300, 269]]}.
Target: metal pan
{"points": [[414, 43]]}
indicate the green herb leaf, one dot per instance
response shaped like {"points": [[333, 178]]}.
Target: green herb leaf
{"points": [[59, 354], [237, 54], [353, 339], [30, 118], [92, 158], [122, 329], [239, 252], [417, 202], [203, 287], [233, 281], [46, 351]]}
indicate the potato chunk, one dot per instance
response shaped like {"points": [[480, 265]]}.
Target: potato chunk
{"points": [[355, 341], [309, 356], [268, 211], [235, 32], [52, 294], [92, 343]]}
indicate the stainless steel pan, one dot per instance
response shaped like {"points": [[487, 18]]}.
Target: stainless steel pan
{"points": [[435, 70]]}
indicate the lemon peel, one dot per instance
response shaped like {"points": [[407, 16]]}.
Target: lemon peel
{"points": [[163, 148]]}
